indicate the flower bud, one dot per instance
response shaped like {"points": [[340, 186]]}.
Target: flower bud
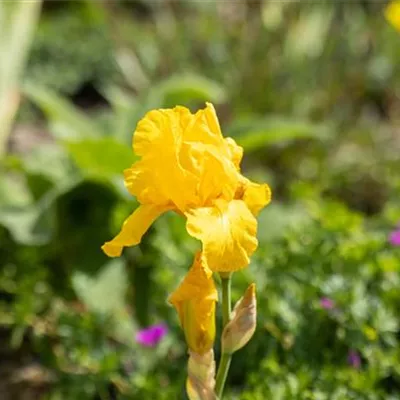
{"points": [[201, 371], [194, 301], [242, 325]]}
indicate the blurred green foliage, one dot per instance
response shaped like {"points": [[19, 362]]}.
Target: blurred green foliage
{"points": [[311, 91]]}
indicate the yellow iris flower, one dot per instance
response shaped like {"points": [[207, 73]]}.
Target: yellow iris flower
{"points": [[392, 13], [194, 301], [186, 165]]}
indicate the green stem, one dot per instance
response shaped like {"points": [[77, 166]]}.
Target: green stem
{"points": [[225, 360]]}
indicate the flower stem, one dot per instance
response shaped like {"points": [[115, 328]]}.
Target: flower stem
{"points": [[225, 360]]}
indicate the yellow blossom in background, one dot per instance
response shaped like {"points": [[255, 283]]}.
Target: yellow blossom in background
{"points": [[194, 301], [370, 333], [186, 165], [392, 13]]}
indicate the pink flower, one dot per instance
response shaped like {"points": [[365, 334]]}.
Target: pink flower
{"points": [[394, 238], [152, 335], [354, 359], [327, 303]]}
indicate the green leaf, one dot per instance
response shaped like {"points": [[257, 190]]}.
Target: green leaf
{"points": [[34, 223], [257, 133], [37, 162], [104, 293], [102, 157], [66, 120], [14, 191], [18, 21], [31, 225]]}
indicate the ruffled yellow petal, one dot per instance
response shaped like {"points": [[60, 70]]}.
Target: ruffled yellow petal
{"points": [[228, 233], [216, 175], [185, 161], [255, 195], [159, 177], [204, 127], [194, 300], [235, 152], [159, 129], [211, 158], [392, 13], [134, 227], [137, 180]]}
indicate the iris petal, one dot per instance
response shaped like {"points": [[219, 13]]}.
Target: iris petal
{"points": [[134, 227], [194, 300], [256, 196], [392, 13], [228, 234], [159, 176]]}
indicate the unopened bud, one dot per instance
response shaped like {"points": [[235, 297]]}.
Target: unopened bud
{"points": [[241, 327], [201, 371], [195, 299]]}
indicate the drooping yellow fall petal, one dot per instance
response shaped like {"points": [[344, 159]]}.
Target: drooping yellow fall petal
{"points": [[228, 233], [392, 13], [194, 300], [134, 227]]}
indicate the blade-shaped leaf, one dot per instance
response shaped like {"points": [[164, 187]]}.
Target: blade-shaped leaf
{"points": [[17, 27], [102, 157], [65, 119], [33, 224]]}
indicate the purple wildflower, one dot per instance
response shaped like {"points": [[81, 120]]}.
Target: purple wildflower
{"points": [[354, 359], [394, 238], [152, 335], [327, 303]]}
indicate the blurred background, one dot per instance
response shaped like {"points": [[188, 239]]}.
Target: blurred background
{"points": [[310, 89]]}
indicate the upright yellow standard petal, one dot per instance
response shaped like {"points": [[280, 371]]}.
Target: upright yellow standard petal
{"points": [[392, 13], [228, 233], [161, 128], [194, 301], [204, 127], [216, 175], [134, 227], [159, 175], [235, 152]]}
